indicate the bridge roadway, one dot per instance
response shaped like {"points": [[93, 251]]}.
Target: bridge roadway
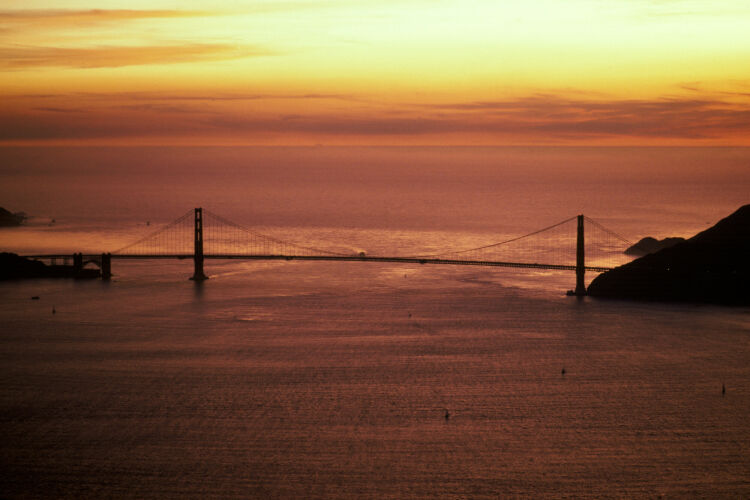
{"points": [[352, 258]]}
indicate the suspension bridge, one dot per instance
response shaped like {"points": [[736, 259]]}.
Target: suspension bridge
{"points": [[577, 244]]}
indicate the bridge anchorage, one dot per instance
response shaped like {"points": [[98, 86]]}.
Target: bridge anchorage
{"points": [[200, 235]]}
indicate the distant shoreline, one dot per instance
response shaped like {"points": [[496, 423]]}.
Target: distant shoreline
{"points": [[10, 219], [15, 267]]}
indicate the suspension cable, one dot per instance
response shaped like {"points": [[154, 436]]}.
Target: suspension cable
{"points": [[225, 222], [156, 233], [269, 238], [608, 231], [502, 242]]}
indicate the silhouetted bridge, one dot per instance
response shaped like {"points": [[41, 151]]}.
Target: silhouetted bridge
{"points": [[184, 239]]}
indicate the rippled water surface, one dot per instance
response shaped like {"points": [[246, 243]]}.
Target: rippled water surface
{"points": [[315, 379]]}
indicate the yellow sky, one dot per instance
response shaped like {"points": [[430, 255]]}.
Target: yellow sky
{"points": [[376, 72]]}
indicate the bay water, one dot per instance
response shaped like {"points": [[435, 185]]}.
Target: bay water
{"points": [[340, 380]]}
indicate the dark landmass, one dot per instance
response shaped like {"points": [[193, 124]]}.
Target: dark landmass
{"points": [[649, 245], [712, 267], [14, 267], [8, 219]]}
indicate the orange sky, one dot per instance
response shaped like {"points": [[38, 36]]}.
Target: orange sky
{"points": [[672, 72]]}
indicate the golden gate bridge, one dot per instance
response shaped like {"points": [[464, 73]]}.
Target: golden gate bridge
{"points": [[577, 244]]}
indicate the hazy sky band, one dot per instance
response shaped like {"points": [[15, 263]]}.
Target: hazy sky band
{"points": [[346, 72]]}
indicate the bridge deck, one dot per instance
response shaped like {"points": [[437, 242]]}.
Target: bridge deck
{"points": [[352, 258]]}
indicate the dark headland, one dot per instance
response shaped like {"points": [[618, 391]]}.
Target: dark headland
{"points": [[711, 267], [15, 267], [649, 245], [9, 219]]}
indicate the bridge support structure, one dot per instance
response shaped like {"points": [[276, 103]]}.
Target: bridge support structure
{"points": [[106, 266], [580, 290], [198, 275], [78, 262]]}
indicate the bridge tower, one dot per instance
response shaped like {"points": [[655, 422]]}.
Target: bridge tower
{"points": [[77, 262], [106, 266], [580, 260], [198, 248]]}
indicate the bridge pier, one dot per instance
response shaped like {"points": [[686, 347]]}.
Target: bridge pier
{"points": [[580, 290], [78, 262], [106, 266], [198, 274]]}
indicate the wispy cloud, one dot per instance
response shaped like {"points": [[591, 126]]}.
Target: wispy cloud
{"points": [[145, 97], [51, 18], [663, 9], [666, 117], [22, 47], [702, 89], [537, 118], [51, 109], [25, 57]]}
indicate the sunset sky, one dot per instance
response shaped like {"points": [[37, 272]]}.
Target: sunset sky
{"points": [[635, 72]]}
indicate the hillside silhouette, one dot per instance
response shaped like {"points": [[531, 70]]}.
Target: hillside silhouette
{"points": [[712, 267], [649, 245]]}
